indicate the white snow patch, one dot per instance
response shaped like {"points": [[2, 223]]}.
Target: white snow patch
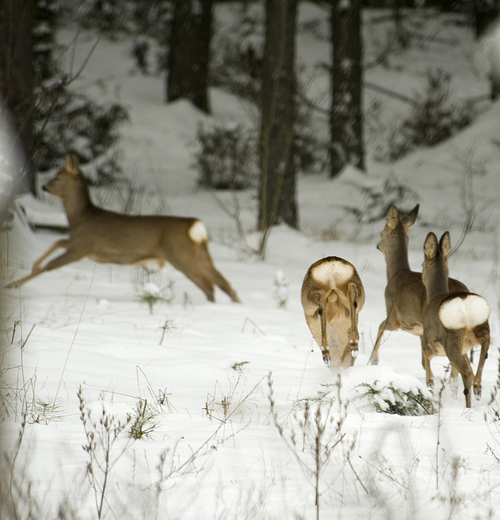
{"points": [[460, 313], [40, 213], [332, 272], [151, 289], [198, 232]]}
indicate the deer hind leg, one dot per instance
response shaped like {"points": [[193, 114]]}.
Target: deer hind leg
{"points": [[64, 243], [192, 271], [482, 333], [468, 378], [223, 284], [207, 270], [454, 381], [353, 311], [460, 362]]}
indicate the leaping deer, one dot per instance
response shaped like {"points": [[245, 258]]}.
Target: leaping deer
{"points": [[332, 296], [453, 321], [405, 297], [109, 237]]}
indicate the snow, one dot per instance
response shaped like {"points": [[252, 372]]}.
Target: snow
{"points": [[464, 313], [207, 370]]}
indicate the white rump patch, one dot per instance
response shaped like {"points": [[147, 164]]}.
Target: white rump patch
{"points": [[198, 232], [333, 273], [464, 313]]}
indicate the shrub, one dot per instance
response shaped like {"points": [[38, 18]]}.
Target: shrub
{"points": [[66, 121], [143, 420], [434, 118], [396, 401], [226, 158]]}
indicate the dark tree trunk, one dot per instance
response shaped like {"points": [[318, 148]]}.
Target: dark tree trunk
{"points": [[346, 124], [278, 114], [485, 13], [16, 75], [189, 52]]}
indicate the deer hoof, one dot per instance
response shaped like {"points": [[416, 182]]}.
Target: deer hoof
{"points": [[374, 362], [354, 352], [430, 384], [477, 392], [326, 358]]}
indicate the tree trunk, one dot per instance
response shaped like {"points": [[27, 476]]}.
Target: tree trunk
{"points": [[189, 52], [485, 13], [16, 75], [278, 114], [346, 124]]}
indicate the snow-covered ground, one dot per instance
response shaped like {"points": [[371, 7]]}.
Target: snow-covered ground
{"points": [[205, 369]]}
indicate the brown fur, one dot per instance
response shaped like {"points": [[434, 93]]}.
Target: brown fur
{"points": [[438, 340], [109, 237], [405, 297], [331, 313]]}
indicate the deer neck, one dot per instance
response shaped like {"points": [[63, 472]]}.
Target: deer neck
{"points": [[438, 282], [397, 259], [77, 204]]}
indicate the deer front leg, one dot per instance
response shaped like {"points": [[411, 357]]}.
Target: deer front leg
{"points": [[426, 362], [36, 270]]}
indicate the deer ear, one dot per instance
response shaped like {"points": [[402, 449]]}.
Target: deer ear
{"points": [[392, 217], [430, 245], [445, 244], [71, 164], [409, 219]]}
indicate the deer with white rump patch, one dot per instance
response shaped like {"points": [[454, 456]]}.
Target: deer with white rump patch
{"points": [[332, 296], [405, 296], [453, 321], [109, 237]]}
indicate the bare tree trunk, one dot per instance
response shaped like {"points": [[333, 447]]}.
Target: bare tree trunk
{"points": [[346, 124], [16, 74], [189, 52], [485, 13], [278, 115]]}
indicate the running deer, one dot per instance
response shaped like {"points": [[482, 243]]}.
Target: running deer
{"points": [[405, 297], [332, 296], [108, 237], [453, 321]]}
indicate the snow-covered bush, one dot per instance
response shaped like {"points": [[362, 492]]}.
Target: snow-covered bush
{"points": [[396, 400], [379, 196], [281, 288], [226, 158], [434, 117], [66, 121], [152, 295]]}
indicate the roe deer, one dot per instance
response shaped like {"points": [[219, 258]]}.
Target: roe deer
{"points": [[453, 321], [405, 297], [332, 296], [108, 237]]}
